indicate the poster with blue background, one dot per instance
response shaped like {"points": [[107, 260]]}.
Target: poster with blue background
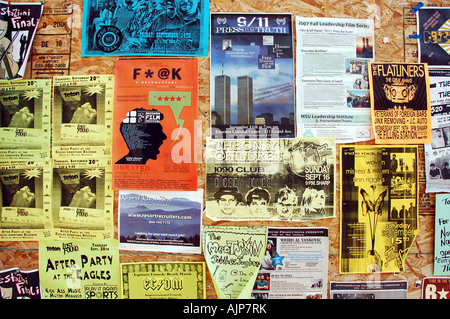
{"points": [[433, 29], [252, 76]]}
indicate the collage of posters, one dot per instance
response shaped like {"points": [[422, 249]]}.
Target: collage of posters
{"points": [[94, 165]]}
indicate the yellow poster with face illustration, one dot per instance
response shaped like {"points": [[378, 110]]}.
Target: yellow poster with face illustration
{"points": [[82, 116]]}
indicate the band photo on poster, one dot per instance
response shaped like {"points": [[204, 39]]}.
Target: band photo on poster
{"points": [[286, 179]]}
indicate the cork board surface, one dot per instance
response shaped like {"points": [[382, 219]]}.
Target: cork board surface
{"points": [[393, 23]]}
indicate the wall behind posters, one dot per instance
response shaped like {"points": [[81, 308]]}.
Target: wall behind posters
{"points": [[60, 32]]}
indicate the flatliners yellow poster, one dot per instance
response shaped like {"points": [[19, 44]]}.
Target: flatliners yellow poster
{"points": [[400, 103]]}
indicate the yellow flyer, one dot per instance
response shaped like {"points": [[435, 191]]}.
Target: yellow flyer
{"points": [[25, 201], [80, 269], [234, 255], [160, 280], [25, 112], [379, 207], [82, 199], [82, 116]]}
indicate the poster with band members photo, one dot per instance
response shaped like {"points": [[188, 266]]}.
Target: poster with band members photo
{"points": [[433, 26], [252, 76], [18, 25], [145, 27], [82, 199], [82, 116], [285, 179], [379, 205], [25, 120], [25, 201], [155, 124], [437, 153], [400, 103]]}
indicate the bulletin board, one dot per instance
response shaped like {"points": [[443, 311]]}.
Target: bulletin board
{"points": [[57, 51]]}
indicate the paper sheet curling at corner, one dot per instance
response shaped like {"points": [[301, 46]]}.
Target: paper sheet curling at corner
{"points": [[233, 255], [417, 7]]}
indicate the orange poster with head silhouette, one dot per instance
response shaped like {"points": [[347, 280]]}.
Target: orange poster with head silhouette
{"points": [[154, 124]]}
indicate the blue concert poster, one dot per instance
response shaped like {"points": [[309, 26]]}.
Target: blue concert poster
{"points": [[145, 27]]}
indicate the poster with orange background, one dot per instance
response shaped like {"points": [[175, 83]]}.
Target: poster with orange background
{"points": [[154, 124]]}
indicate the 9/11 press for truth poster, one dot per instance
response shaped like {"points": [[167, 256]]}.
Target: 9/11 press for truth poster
{"points": [[252, 76]]}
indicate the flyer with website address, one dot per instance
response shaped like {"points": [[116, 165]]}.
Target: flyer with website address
{"points": [[400, 103], [252, 76], [437, 153], [82, 116], [160, 221], [379, 204], [284, 179], [155, 124], [25, 120], [79, 269], [25, 201], [82, 199], [295, 264], [163, 280], [333, 98]]}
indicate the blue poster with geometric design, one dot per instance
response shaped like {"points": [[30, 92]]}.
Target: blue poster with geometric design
{"points": [[433, 29]]}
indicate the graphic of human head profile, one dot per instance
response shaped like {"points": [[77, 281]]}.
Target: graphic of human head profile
{"points": [[143, 133]]}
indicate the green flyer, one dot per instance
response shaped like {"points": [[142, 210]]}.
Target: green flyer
{"points": [[80, 269], [233, 255]]}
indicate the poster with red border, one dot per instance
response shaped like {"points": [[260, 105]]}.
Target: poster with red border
{"points": [[154, 124]]}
